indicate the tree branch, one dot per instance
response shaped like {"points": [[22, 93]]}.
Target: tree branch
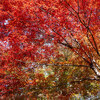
{"points": [[64, 65], [84, 79]]}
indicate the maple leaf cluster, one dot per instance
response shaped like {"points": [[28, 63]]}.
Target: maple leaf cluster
{"points": [[32, 33]]}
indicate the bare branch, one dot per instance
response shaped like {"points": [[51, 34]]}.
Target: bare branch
{"points": [[85, 79], [64, 65]]}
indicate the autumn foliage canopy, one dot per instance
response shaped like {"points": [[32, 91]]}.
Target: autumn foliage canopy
{"points": [[61, 35]]}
